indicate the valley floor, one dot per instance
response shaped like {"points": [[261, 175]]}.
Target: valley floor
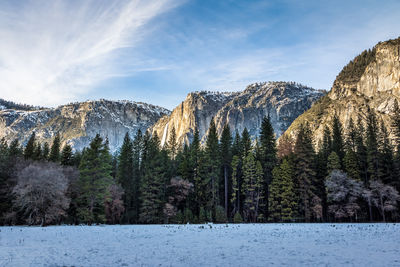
{"points": [[202, 245]]}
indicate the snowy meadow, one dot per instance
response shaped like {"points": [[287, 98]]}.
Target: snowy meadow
{"points": [[202, 245]]}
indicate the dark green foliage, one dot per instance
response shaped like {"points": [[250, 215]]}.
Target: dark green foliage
{"points": [[337, 139], [282, 198], [212, 169], [67, 156], [362, 153], [386, 171], [226, 158], [372, 146], [46, 151], [220, 215], [353, 71], [304, 172], [245, 143], [156, 175], [333, 162], [237, 218], [351, 165], [29, 152], [267, 157], [125, 177], [55, 149], [252, 188], [94, 181], [172, 145]]}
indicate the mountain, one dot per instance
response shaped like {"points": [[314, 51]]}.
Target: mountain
{"points": [[370, 81], [78, 122], [283, 101]]}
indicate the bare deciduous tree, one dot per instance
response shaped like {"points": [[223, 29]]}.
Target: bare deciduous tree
{"points": [[40, 193], [114, 205], [343, 193], [180, 190], [384, 197]]}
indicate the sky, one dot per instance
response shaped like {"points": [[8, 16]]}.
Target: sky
{"points": [[57, 52]]}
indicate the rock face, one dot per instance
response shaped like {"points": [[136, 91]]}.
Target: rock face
{"points": [[371, 80], [78, 123], [283, 101]]}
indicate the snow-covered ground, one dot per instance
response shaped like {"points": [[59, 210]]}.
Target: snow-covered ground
{"points": [[202, 245]]}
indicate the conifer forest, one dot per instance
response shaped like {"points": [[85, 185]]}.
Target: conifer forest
{"points": [[351, 176]]}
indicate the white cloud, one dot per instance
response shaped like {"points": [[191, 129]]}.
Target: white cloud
{"points": [[53, 51]]}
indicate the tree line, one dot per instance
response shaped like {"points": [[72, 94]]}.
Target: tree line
{"points": [[351, 176]]}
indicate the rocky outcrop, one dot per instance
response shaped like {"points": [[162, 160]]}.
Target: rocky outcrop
{"points": [[78, 123], [281, 100], [369, 82]]}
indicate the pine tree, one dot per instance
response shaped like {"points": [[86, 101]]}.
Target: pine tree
{"points": [[351, 165], [362, 153], [172, 145], [46, 151], [396, 132], [252, 187], [37, 154], [212, 165], [236, 198], [67, 156], [245, 143], [94, 181], [226, 158], [282, 198], [333, 162], [55, 149], [29, 151], [15, 150], [372, 146], [155, 177], [267, 158], [125, 177], [337, 138], [304, 171], [386, 171], [137, 155]]}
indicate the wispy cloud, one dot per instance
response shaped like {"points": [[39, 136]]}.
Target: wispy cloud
{"points": [[52, 52]]}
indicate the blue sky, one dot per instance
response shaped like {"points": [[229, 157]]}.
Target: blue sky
{"points": [[55, 52]]}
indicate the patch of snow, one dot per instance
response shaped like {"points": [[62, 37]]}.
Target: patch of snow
{"points": [[202, 245]]}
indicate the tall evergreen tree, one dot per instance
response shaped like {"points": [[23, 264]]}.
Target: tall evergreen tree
{"points": [[29, 151], [362, 153], [46, 151], [125, 177], [245, 143], [94, 181], [282, 198], [267, 157], [155, 175], [55, 149], [226, 158], [333, 162], [67, 156], [337, 138], [37, 154], [386, 172], [137, 156], [304, 171], [212, 165], [252, 187], [172, 145], [372, 146]]}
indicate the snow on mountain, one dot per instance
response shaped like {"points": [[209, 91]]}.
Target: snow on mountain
{"points": [[78, 123]]}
